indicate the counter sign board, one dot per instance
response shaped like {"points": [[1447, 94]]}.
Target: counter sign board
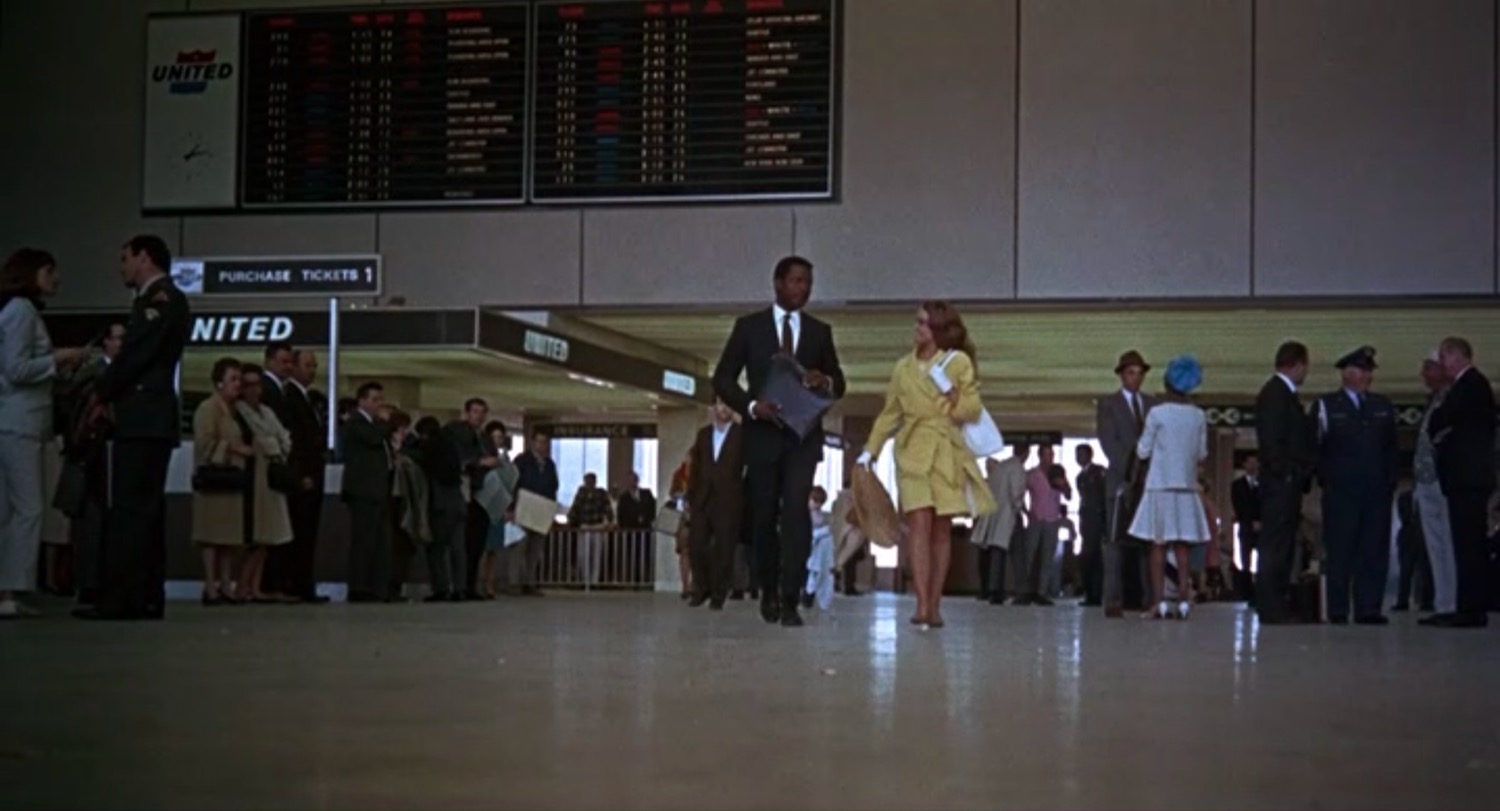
{"points": [[275, 276]]}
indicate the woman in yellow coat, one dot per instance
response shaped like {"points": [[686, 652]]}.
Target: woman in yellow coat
{"points": [[937, 477]]}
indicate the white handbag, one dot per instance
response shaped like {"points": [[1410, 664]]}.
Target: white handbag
{"points": [[982, 435]]}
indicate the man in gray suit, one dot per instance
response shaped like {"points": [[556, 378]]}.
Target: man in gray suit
{"points": [[1119, 420]]}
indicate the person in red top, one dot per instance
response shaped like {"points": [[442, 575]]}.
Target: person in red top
{"points": [[1036, 576]]}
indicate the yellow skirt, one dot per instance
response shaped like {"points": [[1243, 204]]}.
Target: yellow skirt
{"points": [[951, 486]]}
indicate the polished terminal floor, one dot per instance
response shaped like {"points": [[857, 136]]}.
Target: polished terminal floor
{"points": [[599, 701]]}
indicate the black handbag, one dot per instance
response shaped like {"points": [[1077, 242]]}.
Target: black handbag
{"points": [[219, 479], [281, 478]]}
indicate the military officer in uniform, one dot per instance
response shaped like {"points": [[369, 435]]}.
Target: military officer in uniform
{"points": [[139, 388], [1357, 463]]}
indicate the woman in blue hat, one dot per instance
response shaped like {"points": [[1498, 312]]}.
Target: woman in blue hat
{"points": [[1175, 441]]}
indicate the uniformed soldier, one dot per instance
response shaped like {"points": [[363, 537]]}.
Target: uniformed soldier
{"points": [[140, 390], [1357, 464]]}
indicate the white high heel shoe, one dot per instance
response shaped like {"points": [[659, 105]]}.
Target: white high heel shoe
{"points": [[1163, 610], [1183, 609]]}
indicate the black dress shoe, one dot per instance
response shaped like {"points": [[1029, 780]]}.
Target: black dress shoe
{"points": [[1373, 619], [1438, 620], [96, 613], [770, 611], [717, 604], [697, 600], [790, 618], [1338, 620], [314, 599], [1469, 620], [1400, 607], [807, 601], [736, 595], [997, 599], [1042, 601], [436, 598]]}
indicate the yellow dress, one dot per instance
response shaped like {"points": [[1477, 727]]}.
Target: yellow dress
{"points": [[934, 467]]}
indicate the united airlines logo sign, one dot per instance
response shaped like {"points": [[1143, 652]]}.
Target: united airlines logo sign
{"points": [[191, 72]]}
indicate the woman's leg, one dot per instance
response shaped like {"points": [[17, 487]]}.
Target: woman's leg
{"points": [[224, 559], [1184, 574], [919, 541], [210, 573], [1158, 567], [942, 556]]}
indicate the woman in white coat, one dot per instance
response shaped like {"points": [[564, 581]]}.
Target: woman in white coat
{"points": [[1175, 440], [28, 367]]}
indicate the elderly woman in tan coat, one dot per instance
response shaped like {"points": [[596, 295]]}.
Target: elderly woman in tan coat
{"points": [[268, 523], [219, 450]]}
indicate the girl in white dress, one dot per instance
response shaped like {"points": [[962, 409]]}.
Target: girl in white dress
{"points": [[1175, 440]]}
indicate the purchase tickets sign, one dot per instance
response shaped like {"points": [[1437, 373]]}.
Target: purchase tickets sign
{"points": [[192, 112], [278, 276]]}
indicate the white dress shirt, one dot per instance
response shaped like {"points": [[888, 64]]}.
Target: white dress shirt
{"points": [[1288, 381], [780, 316], [721, 433]]}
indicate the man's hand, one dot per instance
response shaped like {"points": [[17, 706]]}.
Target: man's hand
{"points": [[307, 484], [815, 379], [490, 462], [764, 410]]}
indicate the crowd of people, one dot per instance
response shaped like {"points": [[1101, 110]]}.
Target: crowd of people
{"points": [[754, 522]]}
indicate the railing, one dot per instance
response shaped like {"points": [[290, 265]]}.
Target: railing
{"points": [[599, 559]]}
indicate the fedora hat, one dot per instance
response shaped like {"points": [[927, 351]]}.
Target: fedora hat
{"points": [[1132, 358], [874, 509]]}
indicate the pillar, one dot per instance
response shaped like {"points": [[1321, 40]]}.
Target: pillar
{"points": [[620, 464], [676, 428]]}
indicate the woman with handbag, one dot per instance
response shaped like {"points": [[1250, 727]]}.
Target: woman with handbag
{"points": [[28, 367], [220, 454], [267, 521], [1175, 440], [933, 395]]}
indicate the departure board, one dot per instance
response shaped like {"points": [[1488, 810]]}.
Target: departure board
{"points": [[386, 106], [683, 100]]}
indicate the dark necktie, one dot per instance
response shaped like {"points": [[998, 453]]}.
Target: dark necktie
{"points": [[1140, 419], [786, 335]]}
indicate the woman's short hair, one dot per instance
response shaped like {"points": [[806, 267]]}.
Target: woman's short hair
{"points": [[428, 426], [222, 368], [18, 278], [399, 418], [247, 369]]}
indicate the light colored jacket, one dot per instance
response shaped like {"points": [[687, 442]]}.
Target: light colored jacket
{"points": [[1175, 440], [1007, 483], [26, 371]]}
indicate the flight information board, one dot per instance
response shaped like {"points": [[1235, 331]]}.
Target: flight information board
{"points": [[386, 106], [683, 100]]}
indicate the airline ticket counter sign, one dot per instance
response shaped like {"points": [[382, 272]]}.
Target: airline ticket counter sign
{"points": [[310, 276]]}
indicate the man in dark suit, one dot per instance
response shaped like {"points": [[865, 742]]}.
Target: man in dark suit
{"points": [[1119, 420], [1358, 459], [279, 362], [780, 467], [276, 374], [308, 459], [478, 455], [1463, 429], [1286, 453], [716, 502], [635, 514], [1244, 496], [1093, 518], [368, 467], [140, 388]]}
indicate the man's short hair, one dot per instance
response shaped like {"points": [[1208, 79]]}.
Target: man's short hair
{"points": [[275, 348], [1289, 354], [785, 266], [154, 248], [365, 389], [1464, 349], [475, 401]]}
